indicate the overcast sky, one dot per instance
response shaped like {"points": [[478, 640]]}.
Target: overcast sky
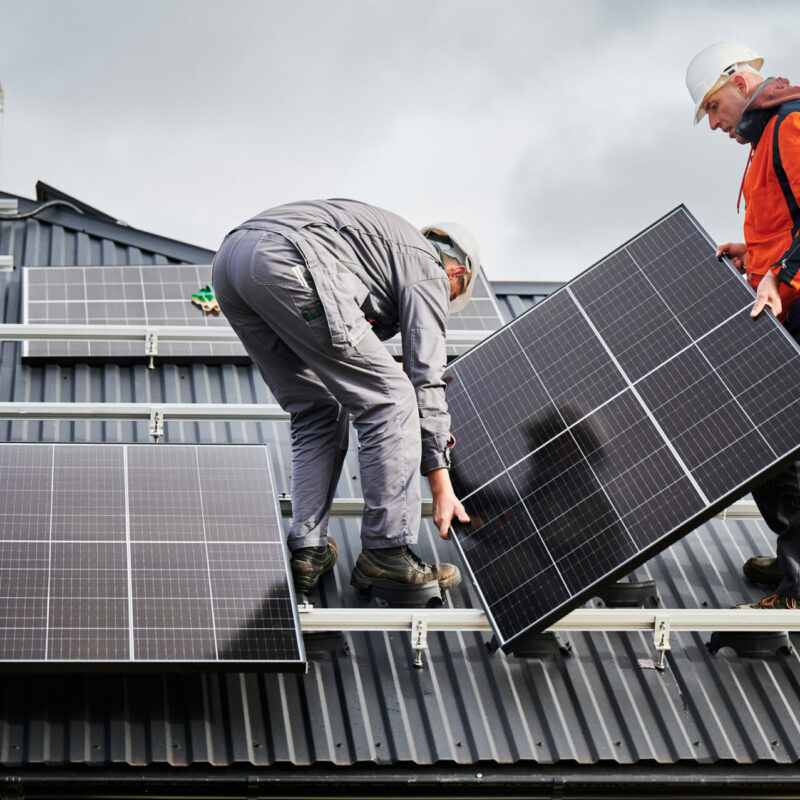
{"points": [[554, 130]]}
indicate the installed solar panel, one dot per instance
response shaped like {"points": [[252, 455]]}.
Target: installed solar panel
{"points": [[132, 295], [161, 295], [143, 554], [612, 418]]}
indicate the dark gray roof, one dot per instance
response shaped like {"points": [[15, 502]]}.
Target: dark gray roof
{"points": [[362, 714]]}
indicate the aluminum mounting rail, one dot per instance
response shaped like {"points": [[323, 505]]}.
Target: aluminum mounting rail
{"points": [[354, 507], [179, 411], [20, 332], [659, 622], [318, 620]]}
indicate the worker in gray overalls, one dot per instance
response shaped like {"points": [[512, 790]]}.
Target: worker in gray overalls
{"points": [[311, 289]]}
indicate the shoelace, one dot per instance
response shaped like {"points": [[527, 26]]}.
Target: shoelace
{"points": [[417, 560]]}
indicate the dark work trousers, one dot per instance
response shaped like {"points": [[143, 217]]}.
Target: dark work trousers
{"points": [[269, 298], [778, 500]]}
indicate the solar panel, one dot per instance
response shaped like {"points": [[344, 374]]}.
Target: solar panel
{"points": [[129, 555], [133, 295], [612, 418], [160, 295]]}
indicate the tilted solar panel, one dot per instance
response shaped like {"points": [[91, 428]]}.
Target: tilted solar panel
{"points": [[615, 416], [129, 555], [161, 295]]}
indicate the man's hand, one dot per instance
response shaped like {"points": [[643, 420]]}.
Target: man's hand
{"points": [[768, 294], [736, 252], [446, 505]]}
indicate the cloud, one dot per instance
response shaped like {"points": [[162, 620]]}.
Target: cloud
{"points": [[554, 130]]}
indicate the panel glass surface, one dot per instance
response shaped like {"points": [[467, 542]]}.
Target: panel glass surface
{"points": [[137, 554], [161, 295], [613, 417]]}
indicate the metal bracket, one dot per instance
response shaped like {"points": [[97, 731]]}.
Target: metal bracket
{"points": [[419, 637], [151, 347], [9, 206], [661, 639], [156, 423]]}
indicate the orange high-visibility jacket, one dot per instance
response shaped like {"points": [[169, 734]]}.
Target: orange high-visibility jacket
{"points": [[771, 189]]}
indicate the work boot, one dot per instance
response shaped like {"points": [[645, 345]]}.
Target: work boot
{"points": [[774, 601], [400, 565], [309, 564], [763, 569]]}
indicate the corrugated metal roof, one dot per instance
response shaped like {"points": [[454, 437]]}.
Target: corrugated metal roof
{"points": [[364, 704]]}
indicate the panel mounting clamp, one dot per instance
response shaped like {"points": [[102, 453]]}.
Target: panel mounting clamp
{"points": [[156, 422], [661, 639], [419, 637], [151, 346]]}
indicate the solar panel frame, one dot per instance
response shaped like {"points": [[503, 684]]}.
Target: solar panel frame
{"points": [[160, 295], [512, 512], [90, 583]]}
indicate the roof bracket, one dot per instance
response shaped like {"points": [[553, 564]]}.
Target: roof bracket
{"points": [[156, 423], [419, 637], [661, 639], [151, 346]]}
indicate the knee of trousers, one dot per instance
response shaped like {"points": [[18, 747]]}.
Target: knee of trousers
{"points": [[396, 408]]}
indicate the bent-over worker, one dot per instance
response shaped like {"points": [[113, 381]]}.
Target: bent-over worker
{"points": [[311, 289]]}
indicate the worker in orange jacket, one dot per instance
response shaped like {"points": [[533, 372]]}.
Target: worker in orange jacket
{"points": [[725, 84]]}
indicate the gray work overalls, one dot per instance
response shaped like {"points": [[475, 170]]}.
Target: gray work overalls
{"points": [[311, 289]]}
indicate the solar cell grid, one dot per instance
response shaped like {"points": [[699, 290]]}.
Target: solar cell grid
{"points": [[611, 418], [160, 295], [130, 554]]}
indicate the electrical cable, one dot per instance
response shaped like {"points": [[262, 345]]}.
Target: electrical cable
{"points": [[40, 208]]}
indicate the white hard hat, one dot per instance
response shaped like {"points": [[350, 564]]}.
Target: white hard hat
{"points": [[456, 241], [713, 66]]}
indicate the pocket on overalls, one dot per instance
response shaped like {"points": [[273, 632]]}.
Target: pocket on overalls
{"points": [[342, 294]]}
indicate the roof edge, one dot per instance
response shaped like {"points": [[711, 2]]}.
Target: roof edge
{"points": [[96, 223], [525, 779]]}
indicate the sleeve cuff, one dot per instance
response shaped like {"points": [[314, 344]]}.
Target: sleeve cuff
{"points": [[436, 452], [788, 268]]}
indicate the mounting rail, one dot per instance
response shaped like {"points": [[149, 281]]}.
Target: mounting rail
{"points": [[660, 622], [28, 331]]}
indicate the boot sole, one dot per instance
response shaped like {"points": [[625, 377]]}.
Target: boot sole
{"points": [[760, 576]]}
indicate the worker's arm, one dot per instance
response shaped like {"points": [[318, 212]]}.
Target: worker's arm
{"points": [[446, 506], [424, 307]]}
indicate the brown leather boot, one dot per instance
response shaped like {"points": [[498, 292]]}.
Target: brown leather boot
{"points": [[309, 564], [400, 565]]}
